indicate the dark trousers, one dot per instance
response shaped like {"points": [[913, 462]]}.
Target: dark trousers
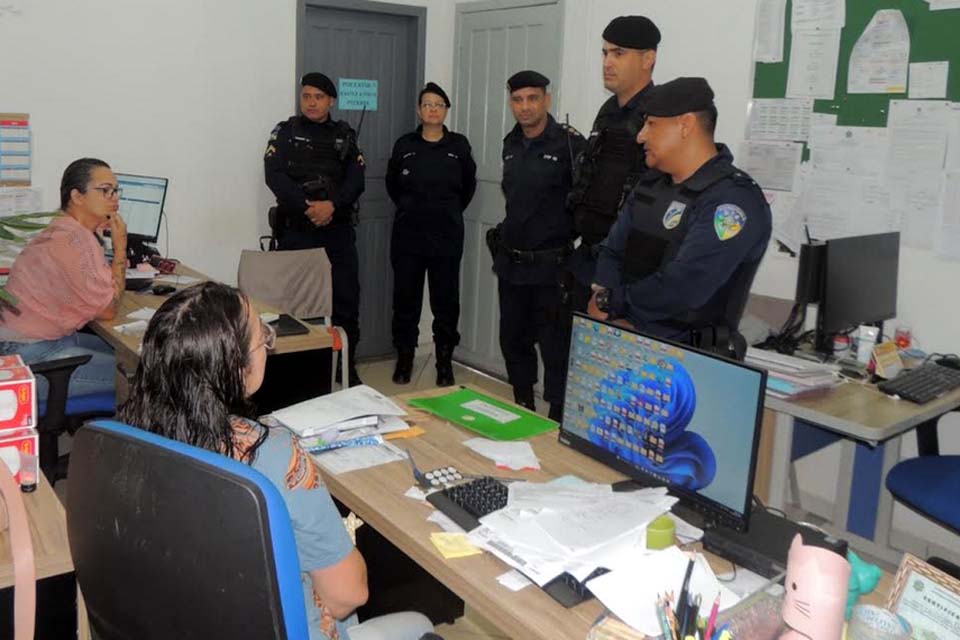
{"points": [[533, 315], [340, 242], [443, 276]]}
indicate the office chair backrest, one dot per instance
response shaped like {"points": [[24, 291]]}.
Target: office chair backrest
{"points": [[739, 293], [172, 541], [296, 282]]}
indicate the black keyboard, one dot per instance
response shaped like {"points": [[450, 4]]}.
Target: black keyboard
{"points": [[923, 384], [466, 503]]}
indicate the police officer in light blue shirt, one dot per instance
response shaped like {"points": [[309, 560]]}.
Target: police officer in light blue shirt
{"points": [[680, 259]]}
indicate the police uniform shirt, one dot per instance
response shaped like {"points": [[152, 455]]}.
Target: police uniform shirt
{"points": [[726, 225], [431, 183], [536, 179], [299, 149]]}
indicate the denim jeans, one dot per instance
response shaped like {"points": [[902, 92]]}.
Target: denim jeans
{"points": [[406, 625], [93, 377]]}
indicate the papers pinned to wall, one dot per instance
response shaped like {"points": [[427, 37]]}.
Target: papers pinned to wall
{"points": [[813, 64], [768, 44], [880, 58]]}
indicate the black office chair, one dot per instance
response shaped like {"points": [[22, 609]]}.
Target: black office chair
{"points": [[172, 541], [726, 339], [61, 414]]}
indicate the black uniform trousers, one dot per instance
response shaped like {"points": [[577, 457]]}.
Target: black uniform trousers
{"points": [[532, 314], [443, 277], [340, 242]]}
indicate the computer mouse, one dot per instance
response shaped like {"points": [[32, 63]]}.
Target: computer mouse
{"points": [[162, 289], [950, 361]]}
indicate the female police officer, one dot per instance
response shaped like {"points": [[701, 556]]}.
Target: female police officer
{"points": [[431, 178]]}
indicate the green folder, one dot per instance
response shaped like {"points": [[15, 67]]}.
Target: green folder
{"points": [[487, 416]]}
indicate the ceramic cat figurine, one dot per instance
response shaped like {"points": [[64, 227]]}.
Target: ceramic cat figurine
{"points": [[816, 593]]}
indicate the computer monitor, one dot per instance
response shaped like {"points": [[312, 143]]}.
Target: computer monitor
{"points": [[141, 205], [859, 284], [666, 415]]}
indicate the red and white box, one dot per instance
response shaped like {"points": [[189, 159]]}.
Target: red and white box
{"points": [[19, 451], [18, 395]]}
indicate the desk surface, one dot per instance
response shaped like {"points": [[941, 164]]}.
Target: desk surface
{"points": [[129, 346], [862, 412], [376, 496], [48, 531]]}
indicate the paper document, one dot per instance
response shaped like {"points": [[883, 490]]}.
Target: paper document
{"points": [[317, 414], [917, 202], [818, 14], [143, 313], [948, 240], [448, 525], [634, 601], [18, 200], [536, 496], [953, 132], [787, 223], [509, 455], [513, 580], [928, 79], [813, 64], [771, 24], [779, 118], [942, 5], [880, 57], [354, 458], [491, 411], [918, 136], [859, 151], [141, 274], [772, 164]]}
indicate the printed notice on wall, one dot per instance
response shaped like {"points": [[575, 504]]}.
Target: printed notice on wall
{"points": [[355, 94], [15, 149], [880, 58]]}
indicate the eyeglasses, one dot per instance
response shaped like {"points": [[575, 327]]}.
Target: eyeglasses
{"points": [[269, 337], [109, 192], [433, 105]]}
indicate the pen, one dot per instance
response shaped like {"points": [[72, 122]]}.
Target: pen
{"points": [[664, 621], [682, 604], [713, 618], [671, 619]]}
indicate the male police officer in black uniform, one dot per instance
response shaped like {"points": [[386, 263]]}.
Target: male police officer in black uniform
{"points": [[680, 259], [612, 161], [534, 241], [315, 169]]}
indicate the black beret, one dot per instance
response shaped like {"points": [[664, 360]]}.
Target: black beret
{"points": [[674, 98], [434, 88], [632, 32], [319, 81], [523, 79]]}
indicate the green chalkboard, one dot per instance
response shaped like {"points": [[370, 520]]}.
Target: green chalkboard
{"points": [[934, 36]]}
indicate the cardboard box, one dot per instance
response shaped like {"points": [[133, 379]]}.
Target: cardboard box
{"points": [[8, 362], [18, 398], [19, 450]]}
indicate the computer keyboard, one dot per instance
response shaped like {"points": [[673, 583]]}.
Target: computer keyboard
{"points": [[466, 503], [925, 383]]}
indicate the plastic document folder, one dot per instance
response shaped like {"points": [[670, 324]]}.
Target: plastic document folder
{"points": [[487, 416]]}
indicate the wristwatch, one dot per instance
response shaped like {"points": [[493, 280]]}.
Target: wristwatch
{"points": [[603, 300]]}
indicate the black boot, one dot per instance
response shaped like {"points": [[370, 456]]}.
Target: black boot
{"points": [[404, 368], [523, 396], [445, 366], [556, 411]]}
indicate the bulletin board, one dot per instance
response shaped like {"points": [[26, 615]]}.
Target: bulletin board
{"points": [[934, 36]]}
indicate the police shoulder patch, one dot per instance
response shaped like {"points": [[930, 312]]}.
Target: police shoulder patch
{"points": [[571, 130], [270, 150], [728, 221], [671, 219]]}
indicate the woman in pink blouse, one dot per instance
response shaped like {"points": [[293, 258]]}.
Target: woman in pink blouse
{"points": [[62, 280]]}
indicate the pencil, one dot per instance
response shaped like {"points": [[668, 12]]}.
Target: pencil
{"points": [[664, 620], [713, 618]]}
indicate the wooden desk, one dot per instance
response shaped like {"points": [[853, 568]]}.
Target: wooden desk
{"points": [[127, 347], [376, 496]]}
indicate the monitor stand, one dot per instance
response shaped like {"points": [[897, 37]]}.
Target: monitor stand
{"points": [[138, 251]]}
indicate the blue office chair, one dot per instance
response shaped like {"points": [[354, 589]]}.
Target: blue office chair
{"points": [[62, 414], [929, 484], [172, 541]]}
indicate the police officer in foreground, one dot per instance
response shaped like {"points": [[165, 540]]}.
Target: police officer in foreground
{"points": [[531, 249], [431, 177], [612, 161], [315, 169], [681, 257]]}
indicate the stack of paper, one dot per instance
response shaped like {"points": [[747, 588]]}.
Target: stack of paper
{"points": [[344, 411], [564, 526], [789, 377]]}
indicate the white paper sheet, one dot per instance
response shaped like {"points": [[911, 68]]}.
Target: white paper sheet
{"points": [[779, 119], [511, 455], [928, 79], [143, 313], [787, 224], [942, 5], [825, 203], [917, 202], [918, 137], [354, 458], [535, 496], [444, 521], [813, 14], [17, 200], [314, 415], [860, 151], [813, 64], [771, 24], [772, 164], [948, 239], [634, 601], [878, 62], [513, 580], [952, 163]]}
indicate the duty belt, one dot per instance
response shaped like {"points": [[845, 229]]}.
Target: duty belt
{"points": [[555, 256]]}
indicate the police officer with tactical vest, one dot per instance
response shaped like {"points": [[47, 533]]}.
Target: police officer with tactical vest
{"points": [[315, 170], [612, 161], [680, 259], [532, 244]]}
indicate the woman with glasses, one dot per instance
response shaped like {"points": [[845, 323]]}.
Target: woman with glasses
{"points": [[62, 280], [431, 178], [203, 356]]}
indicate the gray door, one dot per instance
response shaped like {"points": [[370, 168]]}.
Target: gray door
{"points": [[387, 47], [494, 40]]}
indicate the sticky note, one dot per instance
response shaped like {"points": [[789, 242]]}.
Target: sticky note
{"points": [[453, 545]]}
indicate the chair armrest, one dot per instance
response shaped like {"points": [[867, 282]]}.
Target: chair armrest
{"points": [[58, 372]]}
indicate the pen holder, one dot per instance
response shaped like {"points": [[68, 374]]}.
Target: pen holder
{"points": [[661, 533]]}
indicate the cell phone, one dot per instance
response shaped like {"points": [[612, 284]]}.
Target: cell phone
{"points": [[162, 289]]}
